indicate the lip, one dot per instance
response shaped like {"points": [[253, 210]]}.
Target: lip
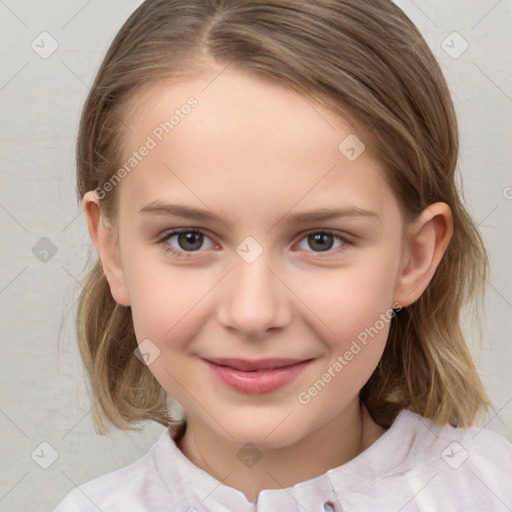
{"points": [[256, 377]]}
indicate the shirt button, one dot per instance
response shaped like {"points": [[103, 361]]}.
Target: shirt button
{"points": [[329, 507]]}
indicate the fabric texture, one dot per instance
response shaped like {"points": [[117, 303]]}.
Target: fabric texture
{"points": [[415, 465]]}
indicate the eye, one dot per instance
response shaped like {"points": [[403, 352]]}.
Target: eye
{"points": [[181, 242], [323, 241]]}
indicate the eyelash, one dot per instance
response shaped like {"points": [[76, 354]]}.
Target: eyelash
{"points": [[163, 241]]}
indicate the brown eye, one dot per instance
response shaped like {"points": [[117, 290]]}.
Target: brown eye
{"points": [[322, 241], [190, 241], [185, 241]]}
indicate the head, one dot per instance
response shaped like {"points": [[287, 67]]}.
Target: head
{"points": [[279, 108]]}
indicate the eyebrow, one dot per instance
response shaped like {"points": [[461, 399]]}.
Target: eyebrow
{"points": [[320, 214]]}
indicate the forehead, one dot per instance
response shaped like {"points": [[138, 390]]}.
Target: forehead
{"points": [[259, 104], [231, 133]]}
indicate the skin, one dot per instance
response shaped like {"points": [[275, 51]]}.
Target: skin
{"points": [[252, 152]]}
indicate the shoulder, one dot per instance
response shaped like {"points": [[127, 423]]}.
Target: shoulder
{"points": [[135, 487], [106, 492], [472, 467], [455, 446]]}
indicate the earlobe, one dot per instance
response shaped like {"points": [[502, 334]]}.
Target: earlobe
{"points": [[428, 240], [104, 238]]}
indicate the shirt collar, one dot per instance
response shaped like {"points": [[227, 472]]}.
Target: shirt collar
{"points": [[385, 455]]}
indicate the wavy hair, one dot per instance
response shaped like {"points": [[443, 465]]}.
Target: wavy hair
{"points": [[364, 60]]}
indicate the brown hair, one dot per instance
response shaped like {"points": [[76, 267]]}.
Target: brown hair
{"points": [[364, 60]]}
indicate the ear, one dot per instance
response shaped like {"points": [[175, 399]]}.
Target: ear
{"points": [[429, 236], [105, 240]]}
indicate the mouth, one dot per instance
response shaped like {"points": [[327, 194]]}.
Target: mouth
{"points": [[256, 377], [256, 365]]}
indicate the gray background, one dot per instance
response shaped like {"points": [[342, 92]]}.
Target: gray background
{"points": [[44, 397]]}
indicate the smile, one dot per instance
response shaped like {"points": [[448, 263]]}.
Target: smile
{"points": [[256, 377]]}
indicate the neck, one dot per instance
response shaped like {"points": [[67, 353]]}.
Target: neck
{"points": [[335, 443]]}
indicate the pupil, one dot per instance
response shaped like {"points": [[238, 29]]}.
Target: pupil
{"points": [[193, 239], [321, 242], [324, 242]]}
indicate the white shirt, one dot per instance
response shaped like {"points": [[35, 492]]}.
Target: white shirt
{"points": [[414, 466]]}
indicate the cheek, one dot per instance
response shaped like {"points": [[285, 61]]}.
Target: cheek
{"points": [[356, 315], [340, 302], [354, 310], [347, 301], [165, 301]]}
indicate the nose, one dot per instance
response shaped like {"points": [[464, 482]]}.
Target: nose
{"points": [[254, 299]]}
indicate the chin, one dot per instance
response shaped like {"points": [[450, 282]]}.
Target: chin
{"points": [[264, 435]]}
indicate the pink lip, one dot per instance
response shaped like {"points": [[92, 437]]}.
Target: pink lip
{"points": [[256, 377]]}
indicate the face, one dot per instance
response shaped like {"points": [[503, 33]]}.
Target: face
{"points": [[265, 270]]}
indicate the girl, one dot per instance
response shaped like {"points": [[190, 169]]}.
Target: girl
{"points": [[270, 186]]}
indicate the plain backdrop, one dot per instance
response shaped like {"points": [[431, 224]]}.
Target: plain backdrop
{"points": [[44, 409]]}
